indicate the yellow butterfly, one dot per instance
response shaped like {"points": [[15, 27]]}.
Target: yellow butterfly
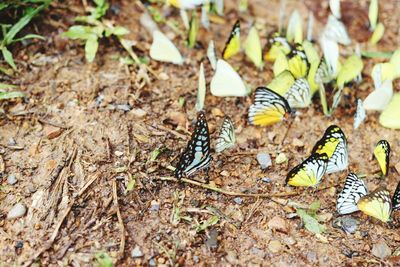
{"points": [[268, 108], [276, 44], [232, 46], [297, 62], [334, 145], [253, 47], [309, 172], [378, 204], [382, 154], [390, 115]]}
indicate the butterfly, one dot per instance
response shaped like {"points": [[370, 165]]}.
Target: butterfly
{"points": [[268, 108], [197, 153], [294, 31], [390, 115], [297, 62], [193, 30], [211, 55], [201, 89], [186, 4], [299, 95], [282, 83], [333, 144], [382, 154], [226, 81], [226, 138], [162, 49], [309, 172], [336, 31], [253, 49], [360, 114], [396, 198], [383, 93], [325, 72], [232, 46], [377, 204], [354, 189], [276, 44]]}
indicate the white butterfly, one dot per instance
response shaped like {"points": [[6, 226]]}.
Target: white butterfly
{"points": [[334, 6], [298, 95], [226, 81], [226, 138], [201, 89], [383, 93], [354, 189], [186, 4], [336, 31], [162, 49], [211, 55], [330, 49], [360, 115], [294, 31]]}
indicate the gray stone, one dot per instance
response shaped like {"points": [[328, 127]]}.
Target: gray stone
{"points": [[17, 211]]}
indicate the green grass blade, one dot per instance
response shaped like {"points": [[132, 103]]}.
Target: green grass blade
{"points": [[9, 95], [8, 57]]}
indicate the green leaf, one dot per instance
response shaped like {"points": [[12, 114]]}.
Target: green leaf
{"points": [[22, 22], [193, 30], [29, 36], [315, 206], [91, 47], [181, 101], [6, 71], [79, 32], [310, 223], [7, 86], [154, 154], [376, 54], [8, 57], [210, 222], [131, 184], [103, 259], [119, 31], [9, 95]]}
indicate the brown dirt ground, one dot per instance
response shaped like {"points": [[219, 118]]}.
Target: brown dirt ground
{"points": [[72, 149]]}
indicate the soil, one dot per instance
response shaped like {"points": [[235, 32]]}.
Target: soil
{"points": [[86, 131]]}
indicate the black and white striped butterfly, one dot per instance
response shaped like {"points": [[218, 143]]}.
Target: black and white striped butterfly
{"points": [[354, 189], [324, 73], [197, 153], [298, 95], [226, 138], [396, 198]]}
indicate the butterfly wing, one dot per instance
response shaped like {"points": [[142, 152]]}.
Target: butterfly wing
{"points": [[226, 138], [268, 108], [276, 44], [162, 49], [211, 55], [232, 46], [297, 62], [382, 154], [298, 95], [333, 144], [309, 172], [396, 198], [197, 154], [377, 204], [226, 81], [354, 188], [253, 48], [360, 114]]}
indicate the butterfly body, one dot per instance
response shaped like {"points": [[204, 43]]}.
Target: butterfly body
{"points": [[197, 153]]}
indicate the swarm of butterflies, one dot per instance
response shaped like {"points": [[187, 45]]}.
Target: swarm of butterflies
{"points": [[299, 73]]}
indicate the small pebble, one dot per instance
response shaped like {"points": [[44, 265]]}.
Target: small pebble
{"points": [[17, 211], [12, 179], [264, 159], [238, 200], [163, 76], [152, 262], [155, 205], [258, 252], [212, 239], [381, 250], [11, 142], [123, 107], [312, 256], [31, 188], [196, 258], [266, 180], [281, 158], [138, 112], [118, 153], [136, 252], [92, 168]]}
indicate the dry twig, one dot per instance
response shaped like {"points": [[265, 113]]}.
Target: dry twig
{"points": [[120, 221]]}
